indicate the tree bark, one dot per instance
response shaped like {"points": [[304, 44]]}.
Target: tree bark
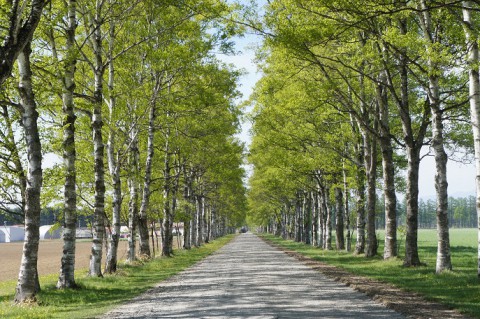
{"points": [[167, 213], [474, 98], [66, 278], [413, 145], [320, 219], [133, 186], [339, 213], [315, 217], [28, 283], [307, 209], [201, 218], [194, 222], [300, 221], [348, 246], [113, 164], [144, 249], [371, 170], [411, 241], [360, 174], [390, 246], [444, 261], [187, 223], [19, 35], [208, 224], [95, 269], [328, 218]]}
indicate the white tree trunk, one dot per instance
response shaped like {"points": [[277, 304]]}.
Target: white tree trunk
{"points": [[95, 269], [388, 169], [360, 223], [114, 164], [444, 261], [144, 248], [474, 97], [133, 203], [28, 284], [197, 220], [66, 278], [348, 246]]}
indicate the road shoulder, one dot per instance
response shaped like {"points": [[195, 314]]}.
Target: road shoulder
{"points": [[407, 303]]}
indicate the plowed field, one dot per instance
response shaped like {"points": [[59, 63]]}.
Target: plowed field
{"points": [[50, 253]]}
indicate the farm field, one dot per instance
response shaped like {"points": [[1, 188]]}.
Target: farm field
{"points": [[50, 252]]}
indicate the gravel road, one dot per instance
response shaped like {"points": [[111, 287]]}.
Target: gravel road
{"points": [[247, 278]]}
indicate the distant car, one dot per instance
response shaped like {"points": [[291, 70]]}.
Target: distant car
{"points": [[243, 230]]}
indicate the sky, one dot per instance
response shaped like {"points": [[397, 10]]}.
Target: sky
{"points": [[461, 177]]}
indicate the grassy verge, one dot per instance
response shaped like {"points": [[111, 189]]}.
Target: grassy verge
{"points": [[97, 295], [458, 289]]}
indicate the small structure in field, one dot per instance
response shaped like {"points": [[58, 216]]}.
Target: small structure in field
{"points": [[177, 229], [12, 233], [83, 232], [124, 232], [50, 232]]}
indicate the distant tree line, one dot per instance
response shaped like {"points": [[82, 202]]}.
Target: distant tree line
{"points": [[461, 213]]}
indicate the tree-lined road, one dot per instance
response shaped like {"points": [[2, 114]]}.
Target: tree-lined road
{"points": [[250, 279]]}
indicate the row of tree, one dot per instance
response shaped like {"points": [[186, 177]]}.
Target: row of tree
{"points": [[353, 91], [462, 213], [132, 97]]}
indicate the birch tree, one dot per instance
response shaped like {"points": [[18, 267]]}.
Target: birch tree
{"points": [[18, 25], [474, 98], [28, 282], [432, 34], [66, 59]]}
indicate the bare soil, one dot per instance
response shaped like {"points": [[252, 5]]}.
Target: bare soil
{"points": [[410, 304], [50, 252]]}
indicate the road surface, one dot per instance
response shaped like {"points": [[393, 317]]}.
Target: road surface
{"points": [[247, 278]]}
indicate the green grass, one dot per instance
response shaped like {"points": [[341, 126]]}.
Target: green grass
{"points": [[98, 295], [459, 289]]}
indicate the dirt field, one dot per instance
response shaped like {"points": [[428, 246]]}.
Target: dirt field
{"points": [[50, 252]]}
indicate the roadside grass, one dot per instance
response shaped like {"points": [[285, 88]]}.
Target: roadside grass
{"points": [[458, 289], [97, 295]]}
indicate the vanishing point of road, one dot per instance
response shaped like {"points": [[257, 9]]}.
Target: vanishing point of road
{"points": [[248, 278]]}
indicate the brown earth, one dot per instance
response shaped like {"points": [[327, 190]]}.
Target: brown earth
{"points": [[50, 252], [410, 304]]}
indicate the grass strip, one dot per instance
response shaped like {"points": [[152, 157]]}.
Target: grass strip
{"points": [[458, 289], [98, 295]]}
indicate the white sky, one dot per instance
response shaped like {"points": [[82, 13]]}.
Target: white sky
{"points": [[461, 179]]}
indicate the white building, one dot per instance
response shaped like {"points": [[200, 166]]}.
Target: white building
{"points": [[49, 232], [2, 237], [12, 233], [83, 232]]}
